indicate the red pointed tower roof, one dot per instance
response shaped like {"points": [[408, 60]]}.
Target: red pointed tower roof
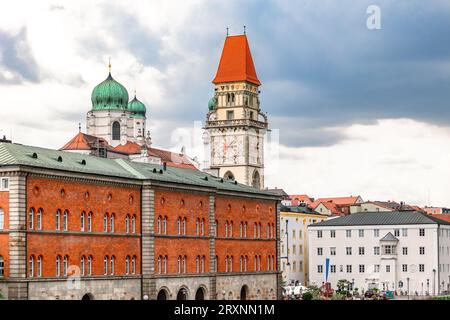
{"points": [[236, 63]]}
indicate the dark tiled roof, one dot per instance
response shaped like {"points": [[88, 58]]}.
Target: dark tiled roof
{"points": [[382, 218], [298, 209], [279, 192]]}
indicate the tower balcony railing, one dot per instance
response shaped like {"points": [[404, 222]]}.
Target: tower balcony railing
{"points": [[236, 122]]}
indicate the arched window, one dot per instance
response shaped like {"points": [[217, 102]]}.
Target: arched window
{"points": [[2, 219], [111, 265], [165, 225], [39, 219], [197, 264], [82, 265], [31, 267], [89, 265], [202, 227], [66, 220], [165, 264], [159, 264], [230, 261], [58, 266], [116, 130], [65, 265], [228, 176], [127, 265], [105, 222], [158, 225], [133, 224], [39, 266], [226, 229], [241, 229], [184, 225], [127, 224], [197, 226], [255, 262], [179, 264], [226, 264], [256, 180], [105, 265], [111, 223], [259, 230], [230, 231], [58, 220], [89, 222], [31, 219], [245, 229], [255, 231], [216, 263], [184, 264], [241, 264], [179, 225], [268, 231], [245, 263], [2, 267], [133, 265], [82, 224]]}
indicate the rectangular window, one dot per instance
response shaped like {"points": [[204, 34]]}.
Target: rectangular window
{"points": [[361, 251], [361, 233], [376, 268], [230, 115], [388, 268], [362, 268], [319, 233], [404, 267], [422, 232], [333, 233], [4, 184], [422, 250], [294, 249], [333, 268], [397, 232], [404, 232], [319, 251], [300, 266], [349, 268], [348, 233], [421, 268], [348, 251], [319, 269], [332, 251], [376, 233], [405, 251], [2, 219], [389, 249], [376, 251]]}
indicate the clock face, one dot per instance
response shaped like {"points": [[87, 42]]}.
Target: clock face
{"points": [[229, 148]]}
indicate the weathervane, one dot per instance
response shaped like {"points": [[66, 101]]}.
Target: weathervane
{"points": [[227, 31], [244, 29], [79, 126]]}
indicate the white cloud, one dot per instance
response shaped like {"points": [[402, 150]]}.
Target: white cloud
{"points": [[400, 160]]}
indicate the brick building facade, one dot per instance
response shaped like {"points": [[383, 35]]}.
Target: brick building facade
{"points": [[75, 226]]}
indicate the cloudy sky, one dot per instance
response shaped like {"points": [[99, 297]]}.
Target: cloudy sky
{"points": [[356, 111]]}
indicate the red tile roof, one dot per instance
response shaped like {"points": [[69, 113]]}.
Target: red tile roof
{"points": [[445, 217], [301, 198], [337, 200], [172, 159], [129, 148], [84, 141], [236, 62]]}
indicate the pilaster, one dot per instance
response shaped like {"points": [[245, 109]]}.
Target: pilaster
{"points": [[148, 242], [212, 248]]}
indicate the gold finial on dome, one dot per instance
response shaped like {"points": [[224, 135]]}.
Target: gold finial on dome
{"points": [[109, 65]]}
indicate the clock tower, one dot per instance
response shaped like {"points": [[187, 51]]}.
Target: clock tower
{"points": [[235, 124]]}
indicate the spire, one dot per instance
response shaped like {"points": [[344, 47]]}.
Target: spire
{"points": [[109, 65], [244, 29], [236, 62], [79, 126], [227, 31]]}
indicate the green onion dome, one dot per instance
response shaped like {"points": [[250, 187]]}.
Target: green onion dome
{"points": [[212, 103], [109, 95], [137, 108]]}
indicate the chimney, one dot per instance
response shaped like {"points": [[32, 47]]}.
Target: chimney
{"points": [[5, 140]]}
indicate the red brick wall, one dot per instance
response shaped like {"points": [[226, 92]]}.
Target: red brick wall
{"points": [[250, 211], [48, 197], [170, 203], [4, 237]]}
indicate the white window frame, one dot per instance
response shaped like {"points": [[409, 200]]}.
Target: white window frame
{"points": [[2, 185]]}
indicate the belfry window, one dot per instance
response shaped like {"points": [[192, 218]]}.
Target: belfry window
{"points": [[116, 130]]}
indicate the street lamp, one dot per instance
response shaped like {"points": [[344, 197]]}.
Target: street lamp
{"points": [[428, 286], [434, 282], [407, 286], [421, 292]]}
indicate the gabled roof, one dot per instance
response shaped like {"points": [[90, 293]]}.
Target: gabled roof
{"points": [[129, 148], [389, 237], [333, 207], [302, 197], [337, 200], [34, 157], [382, 218], [84, 141], [236, 62], [173, 159], [279, 192]]}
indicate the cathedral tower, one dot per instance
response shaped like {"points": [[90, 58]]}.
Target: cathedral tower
{"points": [[235, 124]]}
